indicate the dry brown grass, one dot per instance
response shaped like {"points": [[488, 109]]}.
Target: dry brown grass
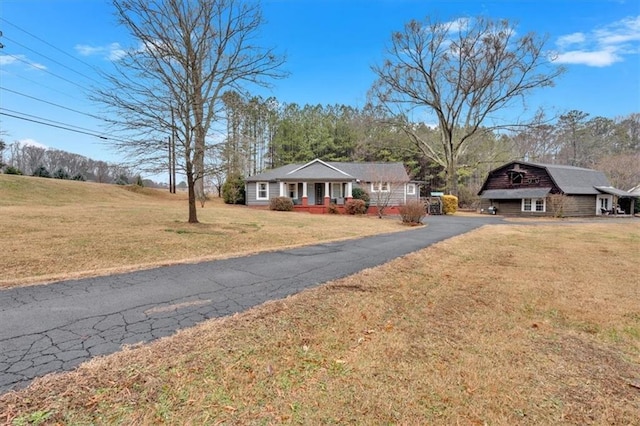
{"points": [[55, 229], [506, 325]]}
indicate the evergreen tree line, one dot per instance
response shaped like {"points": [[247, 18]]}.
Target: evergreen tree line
{"points": [[264, 134]]}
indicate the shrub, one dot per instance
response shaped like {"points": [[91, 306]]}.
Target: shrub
{"points": [[468, 196], [61, 174], [281, 204], [449, 204], [78, 177], [233, 190], [333, 209], [10, 170], [41, 171], [413, 212], [355, 206], [360, 194]]}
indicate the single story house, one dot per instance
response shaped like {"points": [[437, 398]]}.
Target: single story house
{"points": [[316, 185], [530, 189]]}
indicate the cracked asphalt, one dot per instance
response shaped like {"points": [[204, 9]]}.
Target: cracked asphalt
{"points": [[54, 327]]}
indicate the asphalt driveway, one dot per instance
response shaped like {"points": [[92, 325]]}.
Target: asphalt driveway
{"points": [[55, 327]]}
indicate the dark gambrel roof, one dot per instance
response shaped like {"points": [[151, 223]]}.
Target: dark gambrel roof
{"points": [[575, 180], [569, 179]]}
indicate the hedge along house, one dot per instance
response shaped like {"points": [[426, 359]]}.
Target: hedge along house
{"points": [[316, 185], [530, 189]]}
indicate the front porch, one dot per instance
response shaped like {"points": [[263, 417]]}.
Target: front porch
{"points": [[321, 198]]}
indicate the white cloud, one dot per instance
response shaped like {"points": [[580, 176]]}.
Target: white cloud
{"points": [[569, 39], [20, 59], [457, 25], [116, 52], [602, 46], [600, 58], [86, 50], [32, 142], [112, 52], [7, 60]]}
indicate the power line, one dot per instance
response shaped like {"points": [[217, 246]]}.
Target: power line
{"points": [[18, 58], [48, 44], [52, 103], [54, 125], [42, 85], [47, 119], [53, 60]]}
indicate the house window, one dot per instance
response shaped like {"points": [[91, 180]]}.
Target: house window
{"points": [[534, 205], [336, 190], [380, 186], [263, 191], [411, 189], [292, 190]]}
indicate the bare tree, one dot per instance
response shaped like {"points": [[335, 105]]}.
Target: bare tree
{"points": [[462, 73], [623, 170], [189, 53]]}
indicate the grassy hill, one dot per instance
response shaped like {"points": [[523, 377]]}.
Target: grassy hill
{"points": [[29, 190]]}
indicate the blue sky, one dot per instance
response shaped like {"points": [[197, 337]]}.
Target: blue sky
{"points": [[51, 48]]}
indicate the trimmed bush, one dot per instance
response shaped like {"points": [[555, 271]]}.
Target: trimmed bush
{"points": [[360, 194], [413, 212], [355, 206], [333, 209], [281, 204], [449, 204]]}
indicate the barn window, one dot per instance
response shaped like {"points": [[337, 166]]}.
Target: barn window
{"points": [[515, 178], [534, 205]]}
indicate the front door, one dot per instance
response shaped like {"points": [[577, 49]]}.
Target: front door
{"points": [[319, 193]]}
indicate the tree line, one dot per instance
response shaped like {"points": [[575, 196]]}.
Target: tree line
{"points": [[266, 134], [25, 159]]}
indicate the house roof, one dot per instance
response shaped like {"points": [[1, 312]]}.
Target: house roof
{"points": [[510, 194], [569, 179], [335, 171], [614, 191], [575, 180]]}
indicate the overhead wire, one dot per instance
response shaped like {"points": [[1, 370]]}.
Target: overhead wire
{"points": [[51, 103], [48, 44], [43, 85], [40, 120], [18, 58], [52, 60]]}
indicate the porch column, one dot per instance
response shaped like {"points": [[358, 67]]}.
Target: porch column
{"points": [[281, 189], [305, 197], [327, 193], [349, 194]]}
